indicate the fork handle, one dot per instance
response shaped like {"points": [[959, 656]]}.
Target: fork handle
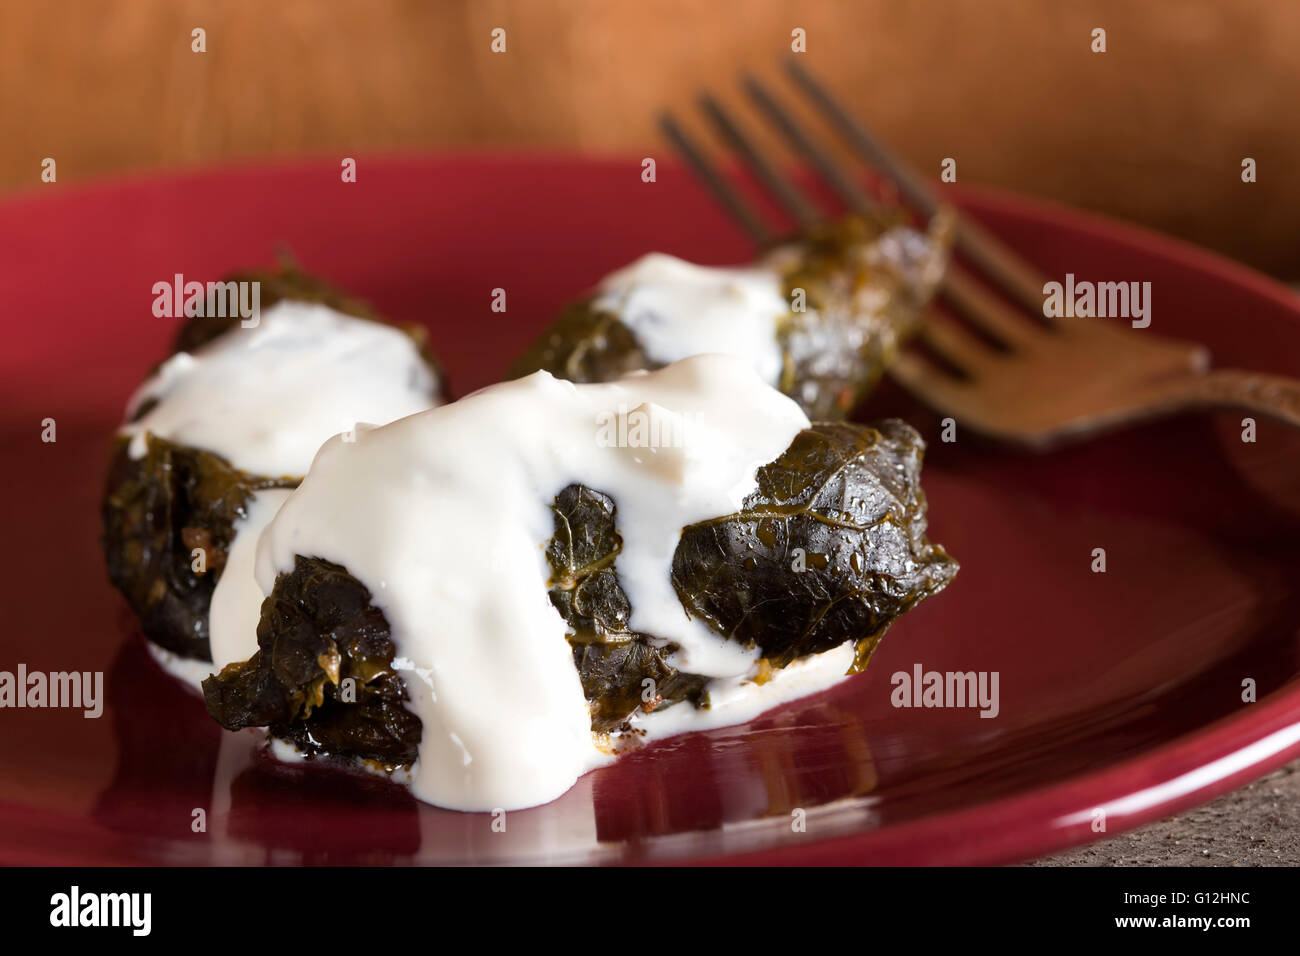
{"points": [[1273, 395]]}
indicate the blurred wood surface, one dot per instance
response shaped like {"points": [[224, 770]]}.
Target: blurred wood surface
{"points": [[1154, 130]]}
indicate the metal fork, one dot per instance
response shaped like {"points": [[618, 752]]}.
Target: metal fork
{"points": [[1046, 380]]}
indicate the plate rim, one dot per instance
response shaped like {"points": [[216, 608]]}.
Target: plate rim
{"points": [[1241, 747]]}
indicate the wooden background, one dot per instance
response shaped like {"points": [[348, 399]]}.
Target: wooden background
{"points": [[1154, 130]]}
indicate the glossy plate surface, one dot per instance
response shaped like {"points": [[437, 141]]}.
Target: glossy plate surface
{"points": [[1120, 691]]}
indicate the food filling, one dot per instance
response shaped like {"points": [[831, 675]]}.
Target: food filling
{"points": [[498, 594]]}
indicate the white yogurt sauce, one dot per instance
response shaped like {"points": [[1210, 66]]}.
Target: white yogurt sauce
{"points": [[186, 670], [738, 700], [443, 516], [677, 309], [237, 601], [266, 397]]}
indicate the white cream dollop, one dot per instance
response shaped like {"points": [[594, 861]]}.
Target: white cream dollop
{"points": [[266, 397], [677, 309], [444, 515], [237, 600]]}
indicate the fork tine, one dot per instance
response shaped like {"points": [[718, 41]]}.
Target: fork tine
{"points": [[928, 382], [916, 192], [957, 346], [826, 167], [995, 259], [799, 206], [737, 205], [986, 312]]}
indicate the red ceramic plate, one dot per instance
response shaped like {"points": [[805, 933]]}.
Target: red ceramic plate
{"points": [[1119, 691]]}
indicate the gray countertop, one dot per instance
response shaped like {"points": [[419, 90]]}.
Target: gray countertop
{"points": [[1258, 825]]}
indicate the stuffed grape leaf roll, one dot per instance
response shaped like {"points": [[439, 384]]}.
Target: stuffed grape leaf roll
{"points": [[821, 555], [819, 317], [234, 415]]}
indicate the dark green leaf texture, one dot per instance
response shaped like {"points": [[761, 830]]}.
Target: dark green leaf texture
{"points": [[847, 493], [865, 280], [318, 629], [612, 660], [584, 345], [844, 503], [157, 509]]}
